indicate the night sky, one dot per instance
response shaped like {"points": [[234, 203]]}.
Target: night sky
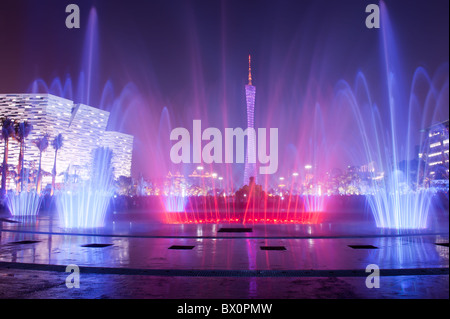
{"points": [[191, 57]]}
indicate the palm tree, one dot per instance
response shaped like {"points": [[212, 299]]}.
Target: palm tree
{"points": [[57, 143], [22, 130], [7, 132], [41, 144]]}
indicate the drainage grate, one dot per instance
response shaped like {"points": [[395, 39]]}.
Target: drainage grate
{"points": [[362, 247], [272, 248], [96, 245], [181, 247], [235, 230], [25, 242], [442, 244]]}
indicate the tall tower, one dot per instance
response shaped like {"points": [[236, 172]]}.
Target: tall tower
{"points": [[250, 92]]}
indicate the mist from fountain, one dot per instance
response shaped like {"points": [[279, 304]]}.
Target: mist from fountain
{"points": [[84, 205]]}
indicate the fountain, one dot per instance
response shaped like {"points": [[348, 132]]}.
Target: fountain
{"points": [[385, 136], [398, 198], [327, 126], [85, 205], [23, 203]]}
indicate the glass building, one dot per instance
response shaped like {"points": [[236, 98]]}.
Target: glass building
{"points": [[83, 127]]}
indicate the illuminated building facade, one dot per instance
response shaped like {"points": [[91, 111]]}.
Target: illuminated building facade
{"points": [[250, 93], [436, 151], [83, 129], [122, 147]]}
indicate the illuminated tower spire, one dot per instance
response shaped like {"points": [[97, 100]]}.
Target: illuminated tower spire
{"points": [[249, 70], [250, 158]]}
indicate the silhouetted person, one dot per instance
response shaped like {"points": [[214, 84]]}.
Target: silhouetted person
{"points": [[251, 181]]}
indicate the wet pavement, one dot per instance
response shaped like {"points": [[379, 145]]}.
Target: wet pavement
{"points": [[139, 258]]}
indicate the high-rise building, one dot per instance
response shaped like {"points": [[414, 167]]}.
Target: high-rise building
{"points": [[250, 92], [83, 129], [435, 151]]}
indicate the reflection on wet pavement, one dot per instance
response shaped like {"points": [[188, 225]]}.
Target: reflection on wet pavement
{"points": [[266, 256]]}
